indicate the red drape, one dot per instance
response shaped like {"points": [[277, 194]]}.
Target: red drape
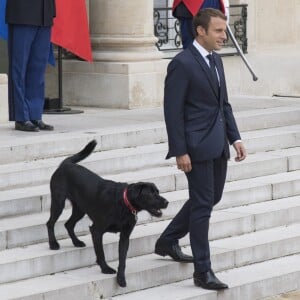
{"points": [[194, 5], [70, 29]]}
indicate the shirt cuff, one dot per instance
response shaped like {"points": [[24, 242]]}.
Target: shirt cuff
{"points": [[237, 141]]}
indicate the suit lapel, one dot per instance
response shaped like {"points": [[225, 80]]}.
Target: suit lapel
{"points": [[198, 57]]}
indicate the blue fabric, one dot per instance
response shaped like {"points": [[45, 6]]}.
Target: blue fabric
{"points": [[4, 31], [186, 24], [51, 58], [3, 26], [212, 4], [28, 50], [186, 28]]}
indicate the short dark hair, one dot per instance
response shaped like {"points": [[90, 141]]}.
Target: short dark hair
{"points": [[202, 18]]}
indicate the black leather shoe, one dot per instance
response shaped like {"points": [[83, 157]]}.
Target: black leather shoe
{"points": [[26, 126], [41, 125], [174, 251], [209, 281]]}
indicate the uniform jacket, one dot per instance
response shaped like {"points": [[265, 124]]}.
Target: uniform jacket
{"points": [[30, 12], [199, 120], [192, 6]]}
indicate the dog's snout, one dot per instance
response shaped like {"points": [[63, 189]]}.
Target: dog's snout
{"points": [[165, 203]]}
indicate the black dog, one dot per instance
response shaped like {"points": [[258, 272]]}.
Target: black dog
{"points": [[112, 206]]}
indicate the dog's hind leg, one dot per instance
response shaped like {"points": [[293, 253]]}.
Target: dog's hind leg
{"points": [[98, 246], [57, 206], [77, 215]]}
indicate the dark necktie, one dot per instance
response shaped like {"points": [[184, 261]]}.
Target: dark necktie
{"points": [[213, 70]]}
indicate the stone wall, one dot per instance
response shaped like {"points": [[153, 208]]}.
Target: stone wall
{"points": [[129, 73], [3, 98], [274, 42], [3, 57]]}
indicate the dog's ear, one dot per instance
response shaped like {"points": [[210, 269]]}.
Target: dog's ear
{"points": [[146, 187], [136, 189], [151, 187]]}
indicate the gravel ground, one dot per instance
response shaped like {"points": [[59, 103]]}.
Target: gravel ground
{"points": [[287, 296]]}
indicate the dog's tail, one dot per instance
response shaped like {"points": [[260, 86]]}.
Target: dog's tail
{"points": [[85, 152]]}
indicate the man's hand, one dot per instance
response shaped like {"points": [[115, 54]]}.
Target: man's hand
{"points": [[241, 152], [184, 163]]}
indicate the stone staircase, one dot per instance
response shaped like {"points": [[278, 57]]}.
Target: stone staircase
{"points": [[254, 232]]}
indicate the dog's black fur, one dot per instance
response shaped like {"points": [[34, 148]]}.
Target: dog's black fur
{"points": [[102, 201]]}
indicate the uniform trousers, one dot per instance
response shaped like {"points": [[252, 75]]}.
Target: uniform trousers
{"points": [[186, 28], [186, 24], [28, 51]]}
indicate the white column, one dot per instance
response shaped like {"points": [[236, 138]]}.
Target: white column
{"points": [[128, 70], [122, 30]]}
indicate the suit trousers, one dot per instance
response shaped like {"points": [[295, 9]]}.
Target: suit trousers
{"points": [[206, 183], [28, 51]]}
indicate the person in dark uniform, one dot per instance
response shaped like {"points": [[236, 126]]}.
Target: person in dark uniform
{"points": [[200, 125], [29, 30], [185, 10]]}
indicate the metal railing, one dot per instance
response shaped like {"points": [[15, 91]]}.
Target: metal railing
{"points": [[167, 29]]}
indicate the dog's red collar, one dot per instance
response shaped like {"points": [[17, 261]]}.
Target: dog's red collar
{"points": [[127, 203]]}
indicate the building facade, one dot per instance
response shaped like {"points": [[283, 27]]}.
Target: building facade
{"points": [[128, 69]]}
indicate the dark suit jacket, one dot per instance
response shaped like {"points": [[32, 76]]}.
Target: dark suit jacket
{"points": [[30, 12], [198, 121], [181, 11]]}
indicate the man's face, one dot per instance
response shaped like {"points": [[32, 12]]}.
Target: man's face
{"points": [[215, 36]]}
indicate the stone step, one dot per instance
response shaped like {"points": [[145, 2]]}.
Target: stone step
{"points": [[28, 229], [240, 235], [37, 260], [264, 163], [271, 139], [253, 282], [33, 199], [38, 172], [249, 191], [263, 118], [133, 158], [108, 162], [150, 270], [289, 295], [66, 143]]}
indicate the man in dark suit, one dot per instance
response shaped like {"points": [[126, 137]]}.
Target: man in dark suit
{"points": [[200, 123], [29, 29]]}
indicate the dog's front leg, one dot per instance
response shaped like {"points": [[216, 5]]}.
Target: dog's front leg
{"points": [[97, 236], [123, 248]]}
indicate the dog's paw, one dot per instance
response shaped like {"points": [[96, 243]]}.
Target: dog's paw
{"points": [[108, 270], [79, 244], [121, 280], [54, 245]]}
